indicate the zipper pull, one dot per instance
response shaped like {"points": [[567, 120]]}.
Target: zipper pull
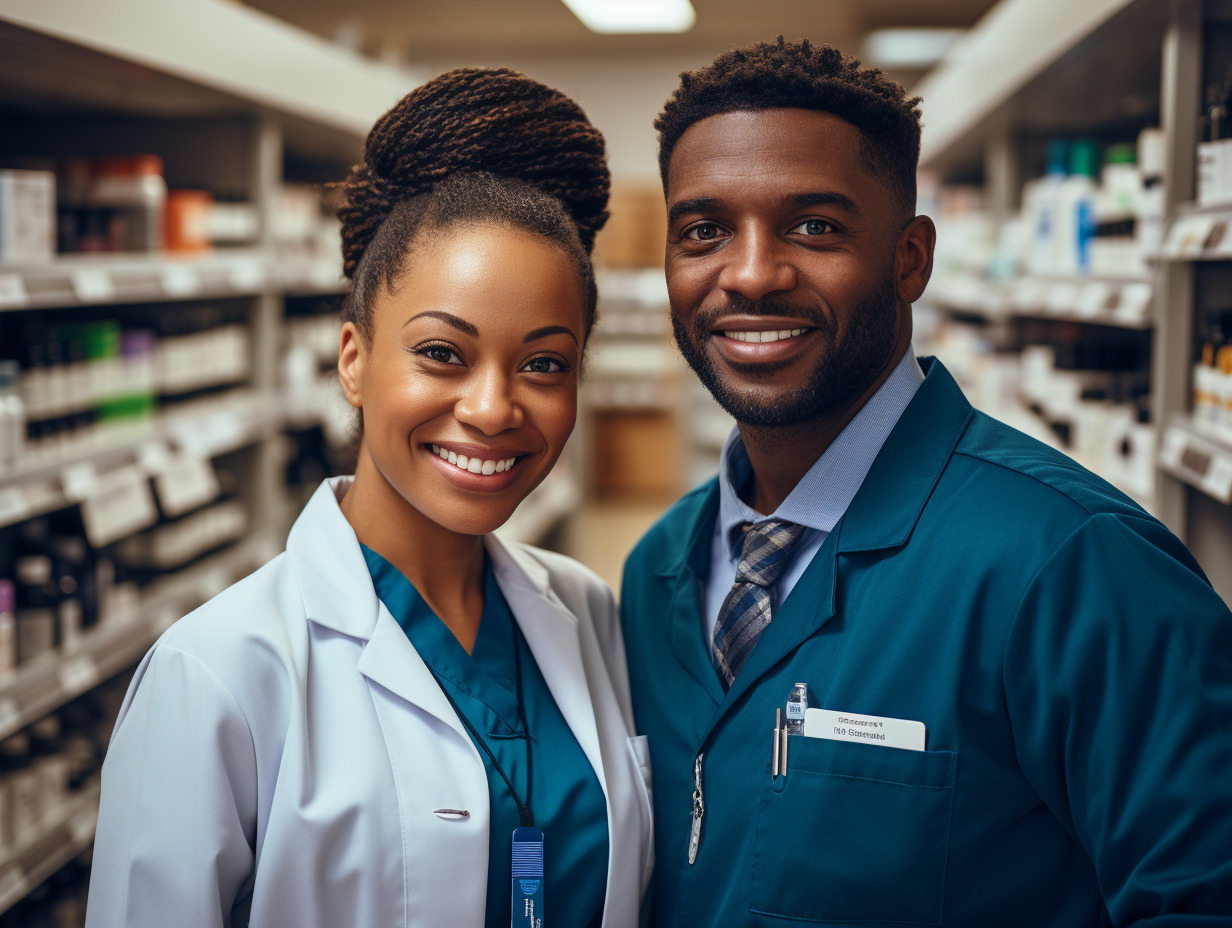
{"points": [[699, 810]]}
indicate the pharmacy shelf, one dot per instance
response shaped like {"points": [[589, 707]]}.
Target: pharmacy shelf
{"points": [[195, 52], [51, 680], [1199, 456], [63, 834], [1023, 57], [100, 280], [236, 422], [1116, 302]]}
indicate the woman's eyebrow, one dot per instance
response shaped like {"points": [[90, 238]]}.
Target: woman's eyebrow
{"points": [[549, 330], [460, 324]]}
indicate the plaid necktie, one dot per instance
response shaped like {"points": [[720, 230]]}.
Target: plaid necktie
{"points": [[746, 610]]}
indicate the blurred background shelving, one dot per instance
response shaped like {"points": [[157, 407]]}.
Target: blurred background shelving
{"points": [[170, 286]]}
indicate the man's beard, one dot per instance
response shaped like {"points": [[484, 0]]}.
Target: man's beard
{"points": [[846, 369]]}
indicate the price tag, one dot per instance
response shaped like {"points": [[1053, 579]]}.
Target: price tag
{"points": [[14, 507], [93, 285], [82, 825], [246, 275], [13, 886], [78, 674], [179, 281], [1062, 298], [13, 291], [186, 483], [1134, 304], [1093, 299], [154, 457], [1194, 232], [10, 716], [122, 505], [79, 481], [1218, 480]]}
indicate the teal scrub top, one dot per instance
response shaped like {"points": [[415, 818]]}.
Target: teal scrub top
{"points": [[566, 799]]}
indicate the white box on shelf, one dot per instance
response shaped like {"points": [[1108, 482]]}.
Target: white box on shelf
{"points": [[27, 215]]}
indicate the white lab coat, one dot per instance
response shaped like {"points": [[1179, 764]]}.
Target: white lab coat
{"points": [[282, 751]]}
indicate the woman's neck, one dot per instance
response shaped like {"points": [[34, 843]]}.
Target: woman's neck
{"points": [[445, 568]]}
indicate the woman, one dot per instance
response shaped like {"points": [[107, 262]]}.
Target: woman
{"points": [[351, 735]]}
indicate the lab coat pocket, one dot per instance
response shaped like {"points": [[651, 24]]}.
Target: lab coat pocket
{"points": [[855, 833], [639, 749]]}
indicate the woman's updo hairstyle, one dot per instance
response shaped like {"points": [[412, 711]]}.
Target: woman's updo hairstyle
{"points": [[472, 145]]}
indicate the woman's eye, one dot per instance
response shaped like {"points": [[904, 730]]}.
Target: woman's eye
{"points": [[814, 227], [704, 232], [441, 354], [545, 366]]}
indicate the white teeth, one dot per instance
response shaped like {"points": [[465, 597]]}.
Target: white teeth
{"points": [[474, 465], [764, 336]]}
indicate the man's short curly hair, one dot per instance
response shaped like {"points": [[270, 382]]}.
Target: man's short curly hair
{"points": [[773, 75]]}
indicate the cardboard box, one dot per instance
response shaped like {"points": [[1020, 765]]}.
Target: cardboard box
{"points": [[635, 453], [634, 235]]}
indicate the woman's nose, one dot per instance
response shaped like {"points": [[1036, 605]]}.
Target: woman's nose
{"points": [[488, 403]]}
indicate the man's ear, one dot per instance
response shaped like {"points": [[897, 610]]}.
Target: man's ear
{"points": [[352, 356], [913, 259]]}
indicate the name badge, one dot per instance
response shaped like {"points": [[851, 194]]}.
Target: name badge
{"points": [[527, 900], [864, 729]]}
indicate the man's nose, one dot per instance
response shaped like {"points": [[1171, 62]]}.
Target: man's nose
{"points": [[758, 265]]}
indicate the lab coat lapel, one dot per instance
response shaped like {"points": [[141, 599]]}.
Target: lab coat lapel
{"points": [[338, 594], [551, 632]]}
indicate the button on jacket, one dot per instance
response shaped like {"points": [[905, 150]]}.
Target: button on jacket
{"points": [[1070, 663], [284, 757]]}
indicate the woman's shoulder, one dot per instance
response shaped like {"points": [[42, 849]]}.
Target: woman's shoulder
{"points": [[258, 620]]}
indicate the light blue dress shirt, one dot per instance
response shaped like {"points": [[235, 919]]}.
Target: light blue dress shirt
{"points": [[817, 502]]}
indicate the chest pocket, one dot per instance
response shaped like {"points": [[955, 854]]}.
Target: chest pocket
{"points": [[855, 833]]}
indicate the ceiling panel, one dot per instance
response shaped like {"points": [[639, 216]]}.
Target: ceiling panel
{"points": [[415, 29]]}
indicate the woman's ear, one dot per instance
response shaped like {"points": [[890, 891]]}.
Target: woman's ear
{"points": [[913, 261], [352, 356]]}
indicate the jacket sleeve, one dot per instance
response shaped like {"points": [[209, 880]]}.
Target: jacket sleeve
{"points": [[1118, 681], [176, 825]]}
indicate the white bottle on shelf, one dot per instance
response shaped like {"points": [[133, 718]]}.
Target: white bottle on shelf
{"points": [[12, 418], [1040, 199], [1075, 211]]}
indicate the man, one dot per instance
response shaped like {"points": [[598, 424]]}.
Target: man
{"points": [[1025, 680]]}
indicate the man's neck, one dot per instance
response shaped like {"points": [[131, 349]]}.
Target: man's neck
{"points": [[781, 456]]}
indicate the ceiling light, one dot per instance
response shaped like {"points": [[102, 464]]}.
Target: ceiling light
{"points": [[623, 17], [907, 48]]}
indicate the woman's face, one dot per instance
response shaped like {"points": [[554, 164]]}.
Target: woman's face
{"points": [[468, 388]]}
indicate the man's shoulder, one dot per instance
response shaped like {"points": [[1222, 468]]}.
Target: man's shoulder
{"points": [[677, 525], [1023, 469]]}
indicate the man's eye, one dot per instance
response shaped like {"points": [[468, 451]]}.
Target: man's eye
{"points": [[704, 232], [814, 227]]}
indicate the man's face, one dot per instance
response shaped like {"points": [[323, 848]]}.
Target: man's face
{"points": [[781, 266]]}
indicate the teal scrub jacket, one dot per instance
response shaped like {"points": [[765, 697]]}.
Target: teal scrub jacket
{"points": [[1070, 662]]}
